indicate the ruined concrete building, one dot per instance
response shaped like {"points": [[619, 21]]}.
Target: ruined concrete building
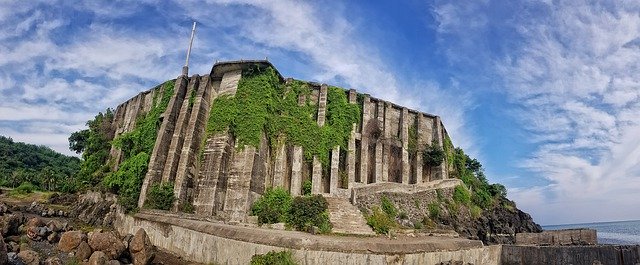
{"points": [[219, 178]]}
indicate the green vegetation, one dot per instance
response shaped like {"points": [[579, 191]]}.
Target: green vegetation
{"points": [[39, 165], [94, 144], [273, 206], [309, 211], [306, 187], [433, 155], [388, 207], [470, 171], [263, 105], [380, 221], [461, 195], [434, 210], [160, 196], [274, 258], [136, 146], [24, 188]]}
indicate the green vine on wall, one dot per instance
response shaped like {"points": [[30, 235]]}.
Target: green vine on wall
{"points": [[137, 146], [263, 105]]}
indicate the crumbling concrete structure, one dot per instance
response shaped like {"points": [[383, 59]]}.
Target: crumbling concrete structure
{"points": [[219, 178]]}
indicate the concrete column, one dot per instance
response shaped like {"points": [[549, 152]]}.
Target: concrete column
{"points": [[236, 203], [351, 157], [210, 173], [316, 177], [379, 143], [364, 141], [335, 176], [296, 171], [161, 146], [404, 132], [195, 131], [442, 169], [177, 140], [386, 152], [322, 105], [419, 147], [279, 166], [351, 146]]}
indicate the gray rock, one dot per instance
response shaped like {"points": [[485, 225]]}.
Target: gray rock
{"points": [[3, 252]]}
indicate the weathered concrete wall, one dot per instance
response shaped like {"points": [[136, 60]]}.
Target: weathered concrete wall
{"points": [[208, 242], [559, 237], [221, 180], [560, 255]]}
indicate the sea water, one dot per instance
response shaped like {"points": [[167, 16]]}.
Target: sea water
{"points": [[616, 233]]}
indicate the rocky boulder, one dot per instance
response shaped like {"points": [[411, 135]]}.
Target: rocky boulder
{"points": [[141, 249], [108, 243], [10, 224], [83, 252], [71, 240], [53, 261], [98, 258], [3, 252], [29, 257]]}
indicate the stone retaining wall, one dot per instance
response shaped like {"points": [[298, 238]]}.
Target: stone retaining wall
{"points": [[603, 254], [208, 242]]}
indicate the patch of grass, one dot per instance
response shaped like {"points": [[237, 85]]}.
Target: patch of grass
{"points": [[461, 195], [380, 221], [434, 210], [475, 211], [388, 207], [403, 215], [23, 189], [274, 258]]}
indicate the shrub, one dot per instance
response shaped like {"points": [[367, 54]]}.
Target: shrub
{"points": [[434, 210], [388, 207], [475, 211], [403, 215], [380, 221], [187, 207], [418, 225], [306, 187], [482, 199], [273, 206], [273, 258], [24, 188], [309, 211], [461, 195], [160, 196]]}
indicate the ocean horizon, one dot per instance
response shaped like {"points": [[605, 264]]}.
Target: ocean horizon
{"points": [[611, 233]]}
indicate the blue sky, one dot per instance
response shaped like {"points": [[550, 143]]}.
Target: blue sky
{"points": [[544, 93]]}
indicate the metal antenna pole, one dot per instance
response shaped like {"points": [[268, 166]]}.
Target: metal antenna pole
{"points": [[185, 68]]}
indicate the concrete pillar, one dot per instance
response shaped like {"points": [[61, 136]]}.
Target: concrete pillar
{"points": [[161, 146], [316, 177], [236, 203], [279, 166], [195, 131], [404, 133], [379, 144], [210, 173], [351, 146], [296, 171], [442, 169], [419, 147], [364, 141], [386, 151], [322, 104], [177, 140], [335, 176]]}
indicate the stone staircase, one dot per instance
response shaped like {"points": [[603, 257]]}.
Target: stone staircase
{"points": [[347, 218]]}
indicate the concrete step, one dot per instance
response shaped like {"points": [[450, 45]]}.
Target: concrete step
{"points": [[347, 218]]}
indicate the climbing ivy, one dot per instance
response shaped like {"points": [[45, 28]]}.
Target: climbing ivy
{"points": [[136, 146], [263, 106]]}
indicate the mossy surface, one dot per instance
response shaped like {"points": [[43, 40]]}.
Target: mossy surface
{"points": [[264, 106]]}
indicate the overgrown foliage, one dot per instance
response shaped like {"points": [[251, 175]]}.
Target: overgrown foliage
{"points": [[136, 146], [461, 195], [306, 187], [273, 206], [433, 155], [388, 207], [380, 221], [309, 211], [263, 105], [24, 188], [160, 196], [274, 258], [94, 143], [39, 165], [470, 171]]}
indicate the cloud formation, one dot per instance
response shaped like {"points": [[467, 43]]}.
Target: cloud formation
{"points": [[573, 74]]}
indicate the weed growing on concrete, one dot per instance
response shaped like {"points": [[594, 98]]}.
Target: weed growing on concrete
{"points": [[273, 258], [160, 196]]}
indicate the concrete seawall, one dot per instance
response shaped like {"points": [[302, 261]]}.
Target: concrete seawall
{"points": [[603, 254], [210, 242]]}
